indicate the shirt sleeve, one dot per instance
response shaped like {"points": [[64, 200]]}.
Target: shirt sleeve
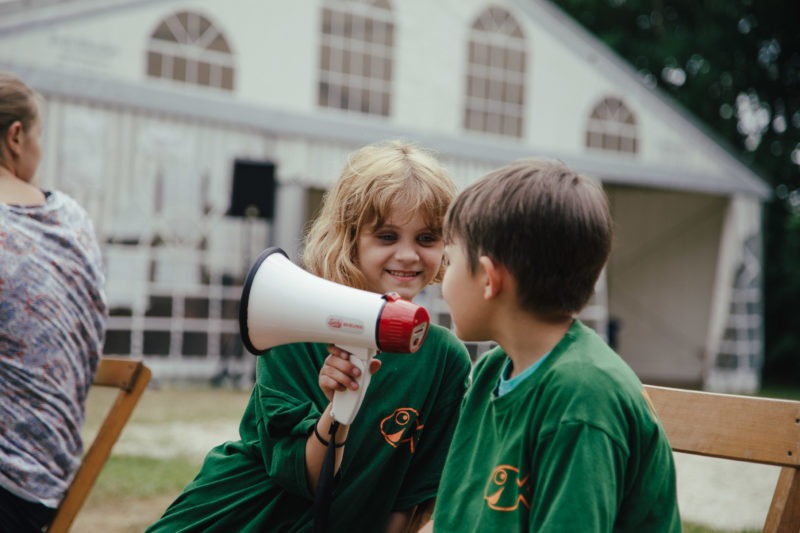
{"points": [[577, 480], [288, 404]]}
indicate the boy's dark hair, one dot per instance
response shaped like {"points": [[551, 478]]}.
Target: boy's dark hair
{"points": [[547, 225]]}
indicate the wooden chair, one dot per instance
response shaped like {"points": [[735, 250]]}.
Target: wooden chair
{"points": [[742, 428], [131, 378]]}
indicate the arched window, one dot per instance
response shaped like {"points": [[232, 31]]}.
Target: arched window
{"points": [[188, 48], [612, 127], [495, 92], [355, 64]]}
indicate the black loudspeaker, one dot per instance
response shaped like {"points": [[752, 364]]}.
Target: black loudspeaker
{"points": [[253, 191]]}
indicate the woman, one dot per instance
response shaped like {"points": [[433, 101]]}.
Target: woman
{"points": [[52, 322]]}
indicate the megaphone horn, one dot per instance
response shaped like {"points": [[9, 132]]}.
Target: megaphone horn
{"points": [[282, 304]]}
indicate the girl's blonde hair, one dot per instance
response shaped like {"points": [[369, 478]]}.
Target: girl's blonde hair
{"points": [[376, 179], [18, 102]]}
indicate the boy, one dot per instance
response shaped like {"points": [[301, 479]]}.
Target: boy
{"points": [[556, 432]]}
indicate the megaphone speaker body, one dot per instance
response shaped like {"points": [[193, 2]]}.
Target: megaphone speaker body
{"points": [[282, 304]]}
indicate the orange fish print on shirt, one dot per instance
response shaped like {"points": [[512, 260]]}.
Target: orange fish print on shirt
{"points": [[402, 426], [506, 489]]}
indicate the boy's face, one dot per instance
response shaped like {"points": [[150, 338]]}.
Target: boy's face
{"points": [[463, 292], [403, 255]]}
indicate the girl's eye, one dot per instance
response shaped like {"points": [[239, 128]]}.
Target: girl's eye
{"points": [[387, 237], [427, 239]]}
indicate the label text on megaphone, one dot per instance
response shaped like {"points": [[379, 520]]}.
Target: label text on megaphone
{"points": [[337, 322]]}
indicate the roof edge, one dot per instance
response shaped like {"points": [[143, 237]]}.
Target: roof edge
{"points": [[332, 125], [21, 17]]}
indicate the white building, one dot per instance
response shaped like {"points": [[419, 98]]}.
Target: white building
{"points": [[151, 102]]}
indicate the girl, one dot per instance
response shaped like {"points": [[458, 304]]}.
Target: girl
{"points": [[52, 322], [380, 229]]}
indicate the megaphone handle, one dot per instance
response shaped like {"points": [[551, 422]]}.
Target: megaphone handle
{"points": [[346, 403]]}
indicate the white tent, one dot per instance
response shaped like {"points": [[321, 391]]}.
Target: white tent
{"points": [[150, 103]]}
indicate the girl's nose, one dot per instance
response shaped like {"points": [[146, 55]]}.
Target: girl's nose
{"points": [[407, 252]]}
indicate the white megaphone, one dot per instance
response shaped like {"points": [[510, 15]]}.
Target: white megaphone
{"points": [[282, 304]]}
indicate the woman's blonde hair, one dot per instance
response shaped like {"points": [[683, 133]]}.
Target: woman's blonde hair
{"points": [[376, 179], [18, 102]]}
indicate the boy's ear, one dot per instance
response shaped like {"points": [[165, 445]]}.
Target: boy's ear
{"points": [[494, 274]]}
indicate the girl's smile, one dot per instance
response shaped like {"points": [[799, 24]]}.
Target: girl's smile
{"points": [[403, 275]]}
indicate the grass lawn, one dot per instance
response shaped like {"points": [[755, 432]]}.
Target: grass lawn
{"points": [[780, 392], [161, 450]]}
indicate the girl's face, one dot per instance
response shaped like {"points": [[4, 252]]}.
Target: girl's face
{"points": [[403, 255]]}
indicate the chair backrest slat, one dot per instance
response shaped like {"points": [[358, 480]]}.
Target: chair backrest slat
{"points": [[117, 372], [758, 430]]}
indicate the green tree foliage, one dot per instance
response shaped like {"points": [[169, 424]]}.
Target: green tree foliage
{"points": [[734, 64]]}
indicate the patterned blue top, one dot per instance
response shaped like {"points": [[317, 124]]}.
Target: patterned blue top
{"points": [[52, 328]]}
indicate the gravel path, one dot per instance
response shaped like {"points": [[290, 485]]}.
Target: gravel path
{"points": [[724, 494]]}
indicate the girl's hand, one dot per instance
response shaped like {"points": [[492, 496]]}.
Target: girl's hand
{"points": [[339, 374]]}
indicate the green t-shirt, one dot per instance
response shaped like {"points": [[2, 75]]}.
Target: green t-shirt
{"points": [[575, 447], [393, 458]]}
